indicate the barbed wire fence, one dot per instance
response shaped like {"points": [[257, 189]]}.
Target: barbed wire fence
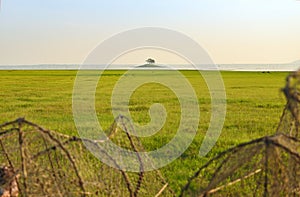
{"points": [[39, 162]]}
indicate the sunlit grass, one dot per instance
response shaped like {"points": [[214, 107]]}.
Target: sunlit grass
{"points": [[254, 106]]}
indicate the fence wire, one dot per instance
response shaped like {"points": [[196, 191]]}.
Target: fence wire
{"points": [[268, 166], [39, 162]]}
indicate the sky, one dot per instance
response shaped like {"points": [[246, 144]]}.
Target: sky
{"points": [[231, 31]]}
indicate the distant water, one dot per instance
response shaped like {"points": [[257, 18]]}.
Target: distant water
{"points": [[222, 67]]}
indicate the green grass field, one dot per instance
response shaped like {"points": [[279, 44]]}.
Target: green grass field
{"points": [[254, 106]]}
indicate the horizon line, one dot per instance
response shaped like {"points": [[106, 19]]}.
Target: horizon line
{"points": [[133, 64]]}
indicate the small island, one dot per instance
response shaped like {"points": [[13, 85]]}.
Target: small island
{"points": [[150, 63]]}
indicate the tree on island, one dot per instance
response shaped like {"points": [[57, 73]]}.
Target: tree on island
{"points": [[150, 61]]}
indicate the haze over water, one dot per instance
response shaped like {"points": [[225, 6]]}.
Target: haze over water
{"points": [[221, 67]]}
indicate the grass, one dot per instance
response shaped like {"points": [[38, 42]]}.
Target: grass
{"points": [[254, 106]]}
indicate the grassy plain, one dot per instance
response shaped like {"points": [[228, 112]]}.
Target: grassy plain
{"points": [[254, 106]]}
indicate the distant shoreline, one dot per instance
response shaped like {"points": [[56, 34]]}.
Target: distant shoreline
{"points": [[220, 67]]}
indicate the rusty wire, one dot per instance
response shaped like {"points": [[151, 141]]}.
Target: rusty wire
{"points": [[52, 164], [268, 166]]}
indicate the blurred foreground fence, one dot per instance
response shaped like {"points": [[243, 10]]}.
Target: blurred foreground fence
{"points": [[39, 162], [268, 166]]}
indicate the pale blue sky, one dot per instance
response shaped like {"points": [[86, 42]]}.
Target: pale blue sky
{"points": [[232, 31]]}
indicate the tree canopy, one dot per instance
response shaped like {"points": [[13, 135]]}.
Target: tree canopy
{"points": [[150, 61]]}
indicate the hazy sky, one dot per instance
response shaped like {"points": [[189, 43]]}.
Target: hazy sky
{"points": [[232, 31]]}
